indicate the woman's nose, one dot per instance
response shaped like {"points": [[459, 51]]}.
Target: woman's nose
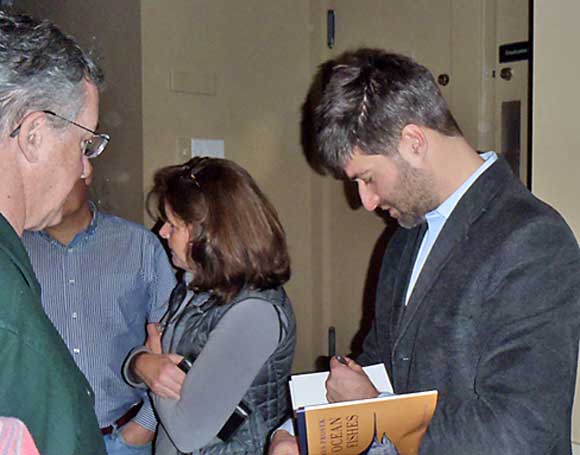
{"points": [[164, 231]]}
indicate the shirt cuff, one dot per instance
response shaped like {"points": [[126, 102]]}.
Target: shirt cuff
{"points": [[128, 374], [288, 426], [146, 417], [385, 394]]}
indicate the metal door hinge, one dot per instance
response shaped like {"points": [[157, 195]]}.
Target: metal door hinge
{"points": [[330, 28]]}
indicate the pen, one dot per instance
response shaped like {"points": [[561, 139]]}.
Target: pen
{"points": [[341, 359], [331, 342]]}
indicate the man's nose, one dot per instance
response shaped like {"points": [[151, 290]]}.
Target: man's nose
{"points": [[369, 199]]}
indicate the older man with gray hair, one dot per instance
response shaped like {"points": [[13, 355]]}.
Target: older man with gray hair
{"points": [[49, 107]]}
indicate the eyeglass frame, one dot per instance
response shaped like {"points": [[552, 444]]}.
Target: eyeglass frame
{"points": [[105, 137]]}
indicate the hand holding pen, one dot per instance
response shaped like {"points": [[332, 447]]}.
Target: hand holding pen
{"points": [[347, 381]]}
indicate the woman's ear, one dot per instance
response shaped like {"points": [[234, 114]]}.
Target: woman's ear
{"points": [[414, 145], [31, 136]]}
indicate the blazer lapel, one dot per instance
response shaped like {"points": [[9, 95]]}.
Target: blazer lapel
{"points": [[471, 206], [448, 239], [402, 282]]}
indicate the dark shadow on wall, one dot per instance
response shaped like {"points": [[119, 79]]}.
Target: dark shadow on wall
{"points": [[373, 270], [307, 125], [370, 287]]}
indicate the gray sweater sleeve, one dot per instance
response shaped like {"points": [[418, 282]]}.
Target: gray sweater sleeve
{"points": [[236, 350], [128, 374]]}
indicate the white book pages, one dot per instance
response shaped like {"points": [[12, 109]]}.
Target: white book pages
{"points": [[309, 389]]}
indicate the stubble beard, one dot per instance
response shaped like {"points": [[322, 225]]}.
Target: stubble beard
{"points": [[416, 197]]}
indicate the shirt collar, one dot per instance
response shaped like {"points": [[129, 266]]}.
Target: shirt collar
{"points": [[443, 212], [96, 216]]}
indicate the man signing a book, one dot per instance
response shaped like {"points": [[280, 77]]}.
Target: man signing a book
{"points": [[479, 289]]}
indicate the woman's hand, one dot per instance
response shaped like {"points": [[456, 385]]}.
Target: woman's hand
{"points": [[159, 371]]}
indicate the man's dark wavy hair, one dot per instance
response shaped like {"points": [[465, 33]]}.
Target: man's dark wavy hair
{"points": [[366, 98]]}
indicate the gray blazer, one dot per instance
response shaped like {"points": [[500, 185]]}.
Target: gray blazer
{"points": [[492, 323]]}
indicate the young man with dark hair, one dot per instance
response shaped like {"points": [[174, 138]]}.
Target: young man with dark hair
{"points": [[479, 290]]}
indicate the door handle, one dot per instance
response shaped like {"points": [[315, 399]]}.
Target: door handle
{"points": [[506, 74]]}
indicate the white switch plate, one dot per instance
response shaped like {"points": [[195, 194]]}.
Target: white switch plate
{"points": [[188, 147], [207, 147]]}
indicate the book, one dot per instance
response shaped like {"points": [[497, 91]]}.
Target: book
{"points": [[351, 427], [309, 388]]}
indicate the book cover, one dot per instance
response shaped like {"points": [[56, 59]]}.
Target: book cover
{"points": [[351, 427]]}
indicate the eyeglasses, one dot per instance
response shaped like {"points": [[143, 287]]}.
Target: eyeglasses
{"points": [[92, 147]]}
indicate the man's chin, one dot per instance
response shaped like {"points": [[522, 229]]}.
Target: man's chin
{"points": [[49, 221], [409, 221]]}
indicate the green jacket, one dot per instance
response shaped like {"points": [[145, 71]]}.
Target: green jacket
{"points": [[39, 380]]}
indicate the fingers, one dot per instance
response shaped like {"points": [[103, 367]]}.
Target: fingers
{"points": [[161, 374], [153, 342], [283, 443], [348, 382], [164, 390], [353, 365], [175, 358], [333, 381], [334, 363], [135, 434], [153, 330], [169, 379]]}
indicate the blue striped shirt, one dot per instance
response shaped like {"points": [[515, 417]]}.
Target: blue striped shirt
{"points": [[100, 291]]}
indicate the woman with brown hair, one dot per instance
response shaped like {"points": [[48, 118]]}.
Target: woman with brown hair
{"points": [[218, 364]]}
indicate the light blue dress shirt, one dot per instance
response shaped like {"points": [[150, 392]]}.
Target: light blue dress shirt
{"points": [[437, 218], [100, 291]]}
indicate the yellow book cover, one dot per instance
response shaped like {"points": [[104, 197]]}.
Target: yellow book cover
{"points": [[351, 427]]}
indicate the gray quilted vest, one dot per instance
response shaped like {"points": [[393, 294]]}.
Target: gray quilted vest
{"points": [[267, 397]]}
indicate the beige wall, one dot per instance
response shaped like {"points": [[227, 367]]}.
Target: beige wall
{"points": [[111, 29], [249, 67], [556, 99]]}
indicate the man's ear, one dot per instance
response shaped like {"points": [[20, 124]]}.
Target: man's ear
{"points": [[88, 174], [31, 136], [414, 145]]}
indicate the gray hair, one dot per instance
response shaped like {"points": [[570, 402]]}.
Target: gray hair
{"points": [[41, 68]]}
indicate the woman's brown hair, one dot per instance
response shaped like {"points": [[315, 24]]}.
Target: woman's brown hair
{"points": [[236, 238]]}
